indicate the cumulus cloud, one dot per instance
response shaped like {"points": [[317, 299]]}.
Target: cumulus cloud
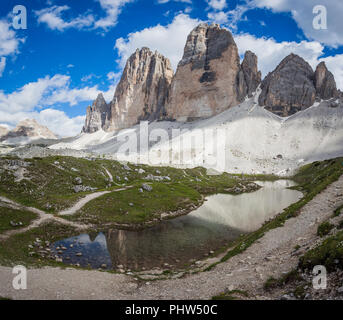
{"points": [[217, 4], [166, 1], [58, 122], [302, 13], [168, 40], [9, 43], [37, 100], [54, 19], [113, 9], [2, 65], [218, 17], [270, 53]]}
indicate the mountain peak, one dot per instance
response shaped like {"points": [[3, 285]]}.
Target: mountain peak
{"points": [[31, 129], [325, 82]]}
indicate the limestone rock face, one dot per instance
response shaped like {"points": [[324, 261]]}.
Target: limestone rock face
{"points": [[325, 82], [3, 131], [249, 78], [205, 82], [140, 95], [29, 128], [289, 88], [96, 115], [142, 91]]}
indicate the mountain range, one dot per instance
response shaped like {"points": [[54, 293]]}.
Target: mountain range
{"points": [[209, 80]]}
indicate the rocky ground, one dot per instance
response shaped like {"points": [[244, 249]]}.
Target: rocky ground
{"points": [[273, 255]]}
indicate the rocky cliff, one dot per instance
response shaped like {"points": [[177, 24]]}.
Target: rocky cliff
{"points": [[205, 82], [140, 95], [325, 82], [293, 86], [96, 115], [249, 77], [209, 80], [3, 131]]}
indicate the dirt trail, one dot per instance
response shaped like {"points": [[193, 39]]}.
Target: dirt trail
{"points": [[81, 203], [42, 218], [271, 255]]}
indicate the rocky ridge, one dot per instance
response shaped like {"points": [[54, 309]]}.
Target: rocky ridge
{"points": [[294, 87], [209, 80], [140, 95], [28, 129]]}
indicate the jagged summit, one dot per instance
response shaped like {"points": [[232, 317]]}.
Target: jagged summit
{"points": [[205, 82], [325, 82], [140, 95], [209, 80], [293, 86]]}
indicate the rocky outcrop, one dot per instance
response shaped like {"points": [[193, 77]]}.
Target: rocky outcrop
{"points": [[293, 86], [96, 115], [29, 129], [325, 83], [140, 95], [3, 131], [289, 88], [205, 82], [142, 91], [249, 77]]}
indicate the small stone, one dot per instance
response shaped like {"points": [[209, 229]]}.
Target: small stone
{"points": [[79, 254], [146, 187], [78, 180], [103, 266]]}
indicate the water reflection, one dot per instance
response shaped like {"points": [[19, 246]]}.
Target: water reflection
{"points": [[221, 219]]}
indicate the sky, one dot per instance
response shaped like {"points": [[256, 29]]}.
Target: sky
{"points": [[73, 49]]}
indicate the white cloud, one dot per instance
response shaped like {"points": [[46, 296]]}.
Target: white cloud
{"points": [[113, 9], [9, 43], [166, 1], [302, 12], [32, 100], [2, 65], [58, 122], [168, 40], [270, 53], [335, 65], [218, 17], [53, 16], [217, 4]]}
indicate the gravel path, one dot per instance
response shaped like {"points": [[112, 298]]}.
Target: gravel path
{"points": [[42, 218], [269, 256], [81, 203]]}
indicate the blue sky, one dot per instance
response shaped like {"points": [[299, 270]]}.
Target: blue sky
{"points": [[71, 50]]}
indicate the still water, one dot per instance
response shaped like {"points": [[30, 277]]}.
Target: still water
{"points": [[221, 219]]}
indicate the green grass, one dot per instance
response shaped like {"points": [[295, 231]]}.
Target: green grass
{"points": [[7, 215], [231, 295], [338, 211], [289, 277], [15, 250], [115, 207], [328, 254], [312, 179], [324, 229], [49, 182]]}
